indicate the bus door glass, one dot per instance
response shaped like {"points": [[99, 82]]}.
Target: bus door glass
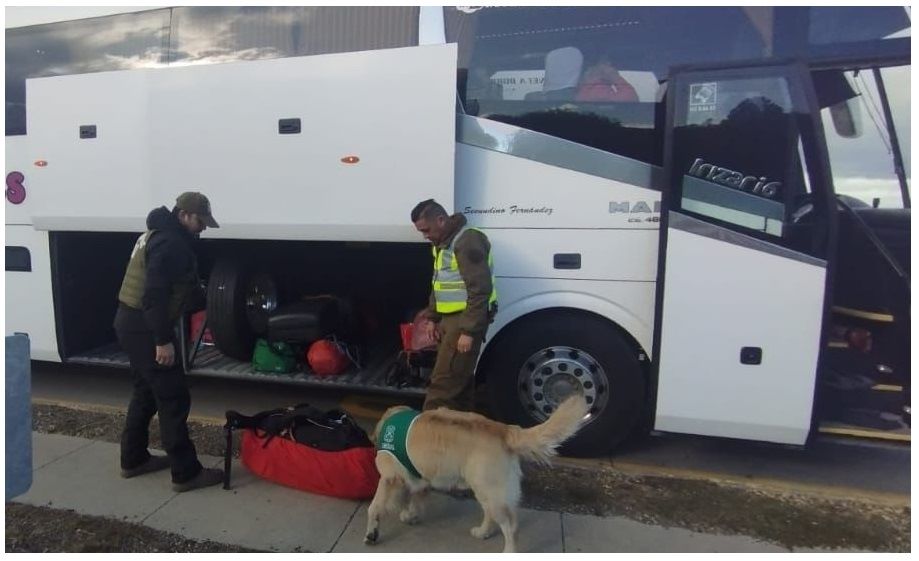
{"points": [[743, 263]]}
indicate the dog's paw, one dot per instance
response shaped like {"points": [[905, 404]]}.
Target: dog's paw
{"points": [[372, 537], [410, 518], [481, 533]]}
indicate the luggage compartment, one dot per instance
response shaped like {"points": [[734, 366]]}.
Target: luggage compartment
{"points": [[384, 283], [380, 286]]}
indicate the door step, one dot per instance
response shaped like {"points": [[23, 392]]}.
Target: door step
{"points": [[901, 434]]}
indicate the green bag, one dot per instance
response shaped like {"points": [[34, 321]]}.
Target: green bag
{"points": [[278, 358]]}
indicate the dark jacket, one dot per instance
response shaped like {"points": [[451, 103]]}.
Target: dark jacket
{"points": [[170, 259], [471, 251]]}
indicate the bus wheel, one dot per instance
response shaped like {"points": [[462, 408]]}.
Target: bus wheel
{"points": [[548, 357], [238, 305]]}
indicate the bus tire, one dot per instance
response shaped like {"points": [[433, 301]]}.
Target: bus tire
{"points": [[544, 358], [230, 324]]}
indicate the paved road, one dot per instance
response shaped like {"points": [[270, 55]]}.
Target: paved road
{"points": [[871, 468]]}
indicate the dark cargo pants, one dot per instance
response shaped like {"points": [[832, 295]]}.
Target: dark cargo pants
{"points": [[452, 382], [157, 389]]}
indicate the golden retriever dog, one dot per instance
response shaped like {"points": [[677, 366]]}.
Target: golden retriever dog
{"points": [[460, 450]]}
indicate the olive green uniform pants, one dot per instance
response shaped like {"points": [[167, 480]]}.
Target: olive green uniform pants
{"points": [[453, 378]]}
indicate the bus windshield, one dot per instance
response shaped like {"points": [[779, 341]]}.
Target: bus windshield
{"points": [[596, 75]]}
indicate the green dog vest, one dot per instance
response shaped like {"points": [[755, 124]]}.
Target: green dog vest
{"points": [[394, 437]]}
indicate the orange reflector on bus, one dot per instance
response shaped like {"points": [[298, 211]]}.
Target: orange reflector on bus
{"points": [[350, 160], [41, 163]]}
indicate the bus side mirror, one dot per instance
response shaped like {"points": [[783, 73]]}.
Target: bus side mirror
{"points": [[847, 118]]}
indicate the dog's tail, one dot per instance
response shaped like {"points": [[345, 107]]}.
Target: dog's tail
{"points": [[539, 443]]}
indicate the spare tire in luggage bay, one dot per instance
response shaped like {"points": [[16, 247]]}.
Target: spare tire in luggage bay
{"points": [[239, 302]]}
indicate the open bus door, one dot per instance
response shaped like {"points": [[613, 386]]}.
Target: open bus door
{"points": [[746, 237]]}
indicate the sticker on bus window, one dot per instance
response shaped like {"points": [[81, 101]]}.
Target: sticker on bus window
{"points": [[703, 97]]}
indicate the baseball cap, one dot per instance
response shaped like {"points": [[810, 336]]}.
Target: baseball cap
{"points": [[197, 203]]}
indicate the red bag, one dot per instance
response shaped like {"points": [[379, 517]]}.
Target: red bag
{"points": [[414, 335], [348, 474], [326, 358], [197, 321]]}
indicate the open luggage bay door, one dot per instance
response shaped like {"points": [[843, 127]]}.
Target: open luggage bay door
{"points": [[326, 147]]}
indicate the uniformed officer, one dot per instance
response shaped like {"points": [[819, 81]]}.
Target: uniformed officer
{"points": [[462, 304]]}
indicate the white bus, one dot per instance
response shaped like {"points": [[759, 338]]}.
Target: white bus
{"points": [[699, 216]]}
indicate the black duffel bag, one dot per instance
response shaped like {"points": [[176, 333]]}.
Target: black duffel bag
{"points": [[328, 431], [332, 430], [304, 448], [311, 319]]}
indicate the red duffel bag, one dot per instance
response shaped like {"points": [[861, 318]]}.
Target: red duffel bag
{"points": [[347, 474]]}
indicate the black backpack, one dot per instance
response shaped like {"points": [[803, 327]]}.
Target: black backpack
{"points": [[332, 430]]}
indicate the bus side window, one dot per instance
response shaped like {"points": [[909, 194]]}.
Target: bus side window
{"points": [[224, 33], [118, 42], [200, 34]]}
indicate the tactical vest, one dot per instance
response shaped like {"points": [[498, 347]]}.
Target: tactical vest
{"points": [[449, 288], [132, 287], [393, 438]]}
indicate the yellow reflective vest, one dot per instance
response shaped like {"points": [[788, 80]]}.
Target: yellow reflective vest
{"points": [[448, 286]]}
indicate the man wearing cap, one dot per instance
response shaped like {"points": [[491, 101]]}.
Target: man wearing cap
{"points": [[160, 283]]}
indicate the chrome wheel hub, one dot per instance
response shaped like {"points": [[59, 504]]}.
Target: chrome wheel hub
{"points": [[261, 300], [552, 374]]}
